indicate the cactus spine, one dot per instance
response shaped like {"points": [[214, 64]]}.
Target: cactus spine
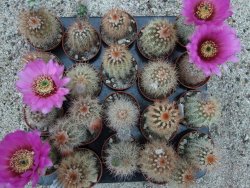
{"points": [[31, 56]]}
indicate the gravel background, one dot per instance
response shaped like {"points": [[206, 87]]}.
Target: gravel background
{"points": [[231, 134]]}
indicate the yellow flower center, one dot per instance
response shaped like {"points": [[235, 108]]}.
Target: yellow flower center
{"points": [[21, 161], [208, 49], [204, 10], [44, 86]]}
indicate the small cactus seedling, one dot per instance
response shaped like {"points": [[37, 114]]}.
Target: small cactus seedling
{"points": [[41, 28], [162, 118], [31, 56], [67, 134], [121, 159], [38, 120], [201, 110], [198, 150], [158, 79], [157, 161], [79, 170], [188, 73], [117, 61], [85, 110], [184, 31], [122, 114], [157, 39], [84, 80]]}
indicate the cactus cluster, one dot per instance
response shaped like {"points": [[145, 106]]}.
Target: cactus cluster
{"points": [[184, 31], [122, 113], [188, 72], [31, 56], [158, 38], [198, 150], [86, 111], [157, 161], [116, 24], [121, 159], [78, 170], [38, 120], [162, 118], [84, 80], [158, 79], [117, 61], [67, 134], [41, 28], [81, 37], [201, 109]]}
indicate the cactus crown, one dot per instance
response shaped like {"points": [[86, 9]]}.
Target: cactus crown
{"points": [[157, 161], [81, 37], [84, 80], [78, 170], [201, 109], [122, 159], [158, 38], [31, 56], [41, 28], [117, 61], [163, 118], [115, 23], [158, 78]]}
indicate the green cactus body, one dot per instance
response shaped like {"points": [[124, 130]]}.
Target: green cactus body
{"points": [[117, 61], [201, 111], [84, 80], [41, 28], [158, 38], [158, 79], [121, 159], [162, 118], [78, 170]]}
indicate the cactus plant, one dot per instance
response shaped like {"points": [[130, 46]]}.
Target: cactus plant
{"points": [[67, 134], [157, 161], [84, 80], [122, 113], [158, 38], [184, 31], [121, 159], [201, 109], [162, 118], [85, 110], [188, 73], [117, 61], [198, 150], [158, 79], [38, 120], [31, 56], [78, 170], [41, 28]]}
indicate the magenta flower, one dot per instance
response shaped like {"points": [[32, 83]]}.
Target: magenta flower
{"points": [[42, 85], [211, 46], [206, 11], [24, 157]]}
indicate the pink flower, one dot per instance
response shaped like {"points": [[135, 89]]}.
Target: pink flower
{"points": [[211, 46], [206, 11], [24, 157], [42, 85]]}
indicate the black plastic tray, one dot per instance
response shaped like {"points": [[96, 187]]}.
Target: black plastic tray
{"points": [[96, 62]]}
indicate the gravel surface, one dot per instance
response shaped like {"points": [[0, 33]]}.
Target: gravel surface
{"points": [[231, 134]]}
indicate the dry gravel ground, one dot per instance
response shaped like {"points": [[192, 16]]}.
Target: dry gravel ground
{"points": [[231, 134]]}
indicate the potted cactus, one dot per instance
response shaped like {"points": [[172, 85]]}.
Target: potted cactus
{"points": [[81, 42], [157, 80], [46, 56], [42, 29], [119, 68], [118, 27], [189, 75], [157, 40], [160, 121], [84, 80], [120, 157]]}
